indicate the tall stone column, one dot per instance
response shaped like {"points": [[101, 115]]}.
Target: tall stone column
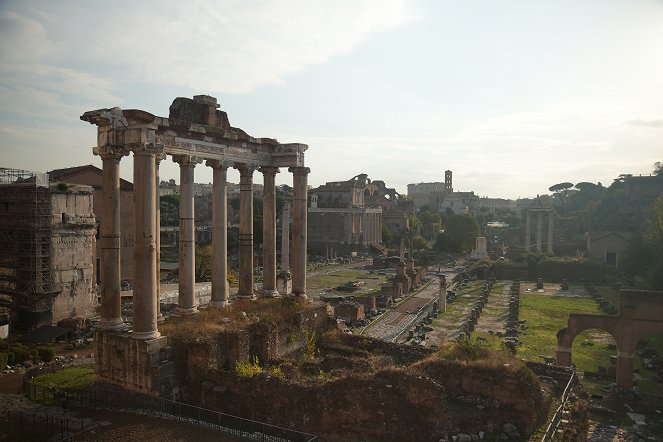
{"points": [[145, 259], [269, 232], [539, 230], [109, 236], [550, 232], [245, 231], [157, 219], [187, 247], [528, 233], [285, 239], [220, 288], [299, 234]]}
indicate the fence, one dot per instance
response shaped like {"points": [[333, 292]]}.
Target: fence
{"points": [[557, 417], [57, 427], [123, 400]]}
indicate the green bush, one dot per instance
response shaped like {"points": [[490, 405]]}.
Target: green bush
{"points": [[11, 358], [46, 354], [3, 360]]}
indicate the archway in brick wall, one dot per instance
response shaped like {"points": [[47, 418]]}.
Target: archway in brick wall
{"points": [[640, 315]]}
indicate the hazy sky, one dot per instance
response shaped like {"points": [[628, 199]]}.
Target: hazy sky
{"points": [[511, 95]]}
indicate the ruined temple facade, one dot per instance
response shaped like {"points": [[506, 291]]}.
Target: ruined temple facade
{"points": [[341, 220], [195, 131]]}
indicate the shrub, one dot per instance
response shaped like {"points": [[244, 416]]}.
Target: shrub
{"points": [[249, 368], [11, 358], [46, 354], [3, 360]]}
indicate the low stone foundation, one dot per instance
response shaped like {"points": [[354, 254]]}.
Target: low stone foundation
{"points": [[134, 364]]}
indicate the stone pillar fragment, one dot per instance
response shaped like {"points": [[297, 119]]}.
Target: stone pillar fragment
{"points": [[269, 232], [220, 287], [539, 231], [550, 232], [245, 230], [109, 236], [299, 234], [187, 245], [145, 260], [528, 233]]}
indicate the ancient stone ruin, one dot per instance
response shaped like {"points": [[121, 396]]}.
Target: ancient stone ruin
{"points": [[195, 131]]}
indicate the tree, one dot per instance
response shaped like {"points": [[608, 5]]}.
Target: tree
{"points": [[560, 187], [387, 235], [430, 223], [585, 186], [203, 262], [462, 229], [418, 242], [658, 168], [644, 256]]}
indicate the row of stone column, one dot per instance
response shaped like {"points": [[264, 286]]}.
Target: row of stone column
{"points": [[147, 229], [539, 231]]}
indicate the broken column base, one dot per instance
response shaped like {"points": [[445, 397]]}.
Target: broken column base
{"points": [[284, 283], [135, 364]]}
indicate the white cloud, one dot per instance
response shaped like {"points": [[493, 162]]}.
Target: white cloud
{"points": [[222, 47]]}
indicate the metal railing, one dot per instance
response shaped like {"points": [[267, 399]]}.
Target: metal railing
{"points": [[128, 401], [557, 417], [56, 426]]}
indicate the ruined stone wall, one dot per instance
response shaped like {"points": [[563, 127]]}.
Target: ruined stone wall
{"points": [[138, 365], [72, 251], [392, 404], [507, 394]]}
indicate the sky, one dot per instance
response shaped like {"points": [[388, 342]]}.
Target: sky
{"points": [[513, 96]]}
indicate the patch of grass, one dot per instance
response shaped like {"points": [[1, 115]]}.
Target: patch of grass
{"points": [[70, 378], [545, 316]]}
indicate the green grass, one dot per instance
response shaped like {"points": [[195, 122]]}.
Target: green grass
{"points": [[79, 377], [545, 316]]}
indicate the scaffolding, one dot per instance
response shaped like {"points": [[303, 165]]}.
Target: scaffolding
{"points": [[25, 241]]}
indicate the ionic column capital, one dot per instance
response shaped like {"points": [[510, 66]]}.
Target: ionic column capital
{"points": [[187, 160], [219, 164], [150, 149], [299, 170], [159, 157], [269, 170], [245, 169], [111, 152]]}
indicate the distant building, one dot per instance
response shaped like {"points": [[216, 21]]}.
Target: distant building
{"points": [[339, 221], [47, 249], [607, 247]]}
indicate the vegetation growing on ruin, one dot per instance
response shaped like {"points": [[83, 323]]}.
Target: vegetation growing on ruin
{"points": [[211, 321], [70, 378]]}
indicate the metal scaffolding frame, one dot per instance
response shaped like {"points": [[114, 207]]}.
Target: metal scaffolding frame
{"points": [[25, 241]]}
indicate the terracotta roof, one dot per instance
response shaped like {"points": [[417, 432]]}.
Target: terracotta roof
{"points": [[63, 174]]}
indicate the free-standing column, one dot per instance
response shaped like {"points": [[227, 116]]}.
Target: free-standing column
{"points": [[300, 175], [528, 233], [220, 288], [157, 220], [539, 230], [245, 230], [285, 239], [269, 232], [187, 276], [145, 259], [109, 235], [550, 232]]}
